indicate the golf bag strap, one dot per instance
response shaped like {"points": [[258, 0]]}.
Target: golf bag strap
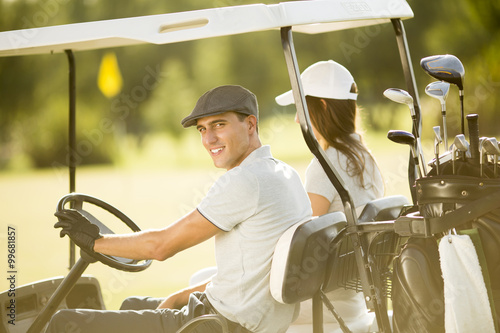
{"points": [[470, 211]]}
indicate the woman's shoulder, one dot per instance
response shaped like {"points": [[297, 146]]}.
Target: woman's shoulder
{"points": [[334, 154], [355, 136]]}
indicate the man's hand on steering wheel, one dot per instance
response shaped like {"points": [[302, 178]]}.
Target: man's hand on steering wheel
{"points": [[78, 228]]}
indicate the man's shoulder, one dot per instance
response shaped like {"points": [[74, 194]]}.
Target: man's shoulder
{"points": [[239, 177]]}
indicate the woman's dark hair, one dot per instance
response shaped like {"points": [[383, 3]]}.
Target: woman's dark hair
{"points": [[335, 120]]}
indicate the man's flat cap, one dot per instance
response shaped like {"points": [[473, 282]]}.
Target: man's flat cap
{"points": [[223, 99]]}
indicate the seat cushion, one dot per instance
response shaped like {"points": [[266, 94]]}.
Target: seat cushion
{"points": [[383, 209]]}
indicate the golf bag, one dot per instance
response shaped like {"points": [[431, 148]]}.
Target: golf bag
{"points": [[456, 199]]}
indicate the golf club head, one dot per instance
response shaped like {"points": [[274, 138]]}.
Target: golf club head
{"points": [[461, 144], [481, 142], [399, 96], [407, 138], [445, 67], [491, 146], [443, 158], [401, 137], [438, 90], [437, 134]]}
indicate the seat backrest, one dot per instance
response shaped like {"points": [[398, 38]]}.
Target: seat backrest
{"points": [[383, 209], [300, 258]]}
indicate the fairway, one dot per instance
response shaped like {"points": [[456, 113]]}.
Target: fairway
{"points": [[153, 195]]}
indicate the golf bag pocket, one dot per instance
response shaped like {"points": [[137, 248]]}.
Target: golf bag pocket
{"points": [[417, 288]]}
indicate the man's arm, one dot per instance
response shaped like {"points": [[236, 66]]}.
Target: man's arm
{"points": [[159, 244]]}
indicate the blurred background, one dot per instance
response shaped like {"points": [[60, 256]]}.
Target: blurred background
{"points": [[33, 89], [132, 150]]}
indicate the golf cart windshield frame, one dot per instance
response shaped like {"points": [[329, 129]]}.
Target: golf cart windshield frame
{"points": [[301, 16]]}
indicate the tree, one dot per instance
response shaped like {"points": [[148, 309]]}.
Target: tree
{"points": [[162, 83]]}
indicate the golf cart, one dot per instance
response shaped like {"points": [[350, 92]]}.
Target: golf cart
{"points": [[361, 249]]}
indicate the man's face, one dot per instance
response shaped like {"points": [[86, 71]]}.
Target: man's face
{"points": [[226, 138]]}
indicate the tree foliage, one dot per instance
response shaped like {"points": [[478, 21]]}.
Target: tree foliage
{"points": [[162, 83]]}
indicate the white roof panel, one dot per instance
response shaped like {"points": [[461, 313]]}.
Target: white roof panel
{"points": [[305, 16]]}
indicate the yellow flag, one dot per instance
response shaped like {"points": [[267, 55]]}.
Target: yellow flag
{"points": [[109, 79]]}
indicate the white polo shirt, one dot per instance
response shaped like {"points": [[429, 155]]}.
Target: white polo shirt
{"points": [[254, 203], [317, 181]]}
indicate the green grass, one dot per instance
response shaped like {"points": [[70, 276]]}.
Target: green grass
{"points": [[155, 187]]}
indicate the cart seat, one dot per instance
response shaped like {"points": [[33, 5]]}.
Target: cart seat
{"points": [[307, 246], [383, 209], [302, 247], [299, 261]]}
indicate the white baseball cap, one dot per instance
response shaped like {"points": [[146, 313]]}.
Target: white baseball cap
{"points": [[324, 79]]}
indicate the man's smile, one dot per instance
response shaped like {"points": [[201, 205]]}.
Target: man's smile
{"points": [[216, 151]]}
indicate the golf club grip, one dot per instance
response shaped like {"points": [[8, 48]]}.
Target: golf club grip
{"points": [[473, 137]]}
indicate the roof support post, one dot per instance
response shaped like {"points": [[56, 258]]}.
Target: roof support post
{"points": [[72, 139], [411, 86]]}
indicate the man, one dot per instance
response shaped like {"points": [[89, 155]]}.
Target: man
{"points": [[246, 210]]}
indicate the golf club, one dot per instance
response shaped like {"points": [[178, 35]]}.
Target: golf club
{"points": [[472, 122], [443, 158], [481, 140], [437, 141], [406, 138], [450, 69], [482, 150], [403, 97], [490, 145], [439, 90], [462, 146]]}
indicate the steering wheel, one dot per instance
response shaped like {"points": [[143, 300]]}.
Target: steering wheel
{"points": [[124, 264]]}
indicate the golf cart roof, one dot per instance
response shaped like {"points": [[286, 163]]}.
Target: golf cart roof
{"points": [[304, 16]]}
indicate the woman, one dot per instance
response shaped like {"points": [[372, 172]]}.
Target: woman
{"points": [[331, 95]]}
